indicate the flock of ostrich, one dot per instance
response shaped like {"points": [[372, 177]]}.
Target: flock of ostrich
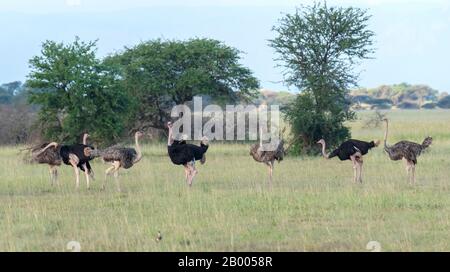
{"points": [[78, 156]]}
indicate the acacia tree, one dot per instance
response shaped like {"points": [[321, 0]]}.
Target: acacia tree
{"points": [[160, 74], [76, 93], [319, 47]]}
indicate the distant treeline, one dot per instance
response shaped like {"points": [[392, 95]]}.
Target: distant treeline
{"points": [[397, 96], [400, 96]]}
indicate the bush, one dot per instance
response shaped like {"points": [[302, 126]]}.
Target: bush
{"points": [[408, 106], [444, 102], [429, 106]]}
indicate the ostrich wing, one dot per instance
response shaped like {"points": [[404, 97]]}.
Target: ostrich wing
{"points": [[198, 151]]}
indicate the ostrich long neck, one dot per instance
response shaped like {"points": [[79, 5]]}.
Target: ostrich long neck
{"points": [[169, 137], [260, 137], [138, 149], [85, 136], [386, 134], [323, 150], [53, 144]]}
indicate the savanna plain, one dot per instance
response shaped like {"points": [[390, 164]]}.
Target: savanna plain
{"points": [[312, 206]]}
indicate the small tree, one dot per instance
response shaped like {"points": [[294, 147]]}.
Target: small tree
{"points": [[319, 47], [160, 74], [76, 92]]}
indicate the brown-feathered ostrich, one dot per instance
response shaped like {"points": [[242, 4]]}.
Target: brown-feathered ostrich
{"points": [[409, 151], [120, 157], [53, 159], [77, 156], [268, 155], [351, 150], [181, 153]]}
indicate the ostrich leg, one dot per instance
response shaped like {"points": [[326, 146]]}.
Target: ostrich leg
{"points": [[107, 172], [73, 159], [86, 175], [55, 174], [360, 163], [270, 166], [186, 172], [192, 172], [52, 174], [77, 175], [116, 174], [408, 170], [355, 168], [413, 173]]}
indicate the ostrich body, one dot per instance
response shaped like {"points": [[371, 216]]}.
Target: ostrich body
{"points": [[406, 150], [120, 157], [52, 157], [274, 153], [353, 150], [77, 156], [181, 153]]}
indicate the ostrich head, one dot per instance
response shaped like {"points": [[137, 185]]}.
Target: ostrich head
{"points": [[427, 142], [321, 141], [139, 134], [205, 140], [169, 125]]}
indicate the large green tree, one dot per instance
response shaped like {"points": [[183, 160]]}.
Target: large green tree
{"points": [[319, 47], [76, 92], [162, 73]]}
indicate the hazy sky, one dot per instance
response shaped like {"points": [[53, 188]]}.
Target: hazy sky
{"points": [[412, 37]]}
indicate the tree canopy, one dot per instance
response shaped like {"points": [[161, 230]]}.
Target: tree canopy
{"points": [[160, 74], [318, 47], [77, 92]]}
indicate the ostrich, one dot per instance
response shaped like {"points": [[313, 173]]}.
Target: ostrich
{"points": [[268, 157], [351, 150], [406, 150], [181, 153], [77, 156], [53, 159], [120, 157]]}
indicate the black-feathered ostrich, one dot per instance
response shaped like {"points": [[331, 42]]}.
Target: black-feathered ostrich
{"points": [[353, 150], [181, 153], [406, 150], [76, 155], [269, 154], [53, 159], [120, 157]]}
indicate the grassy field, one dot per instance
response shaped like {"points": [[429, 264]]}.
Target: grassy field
{"points": [[313, 206]]}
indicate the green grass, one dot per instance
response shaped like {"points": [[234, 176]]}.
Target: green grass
{"points": [[313, 205]]}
